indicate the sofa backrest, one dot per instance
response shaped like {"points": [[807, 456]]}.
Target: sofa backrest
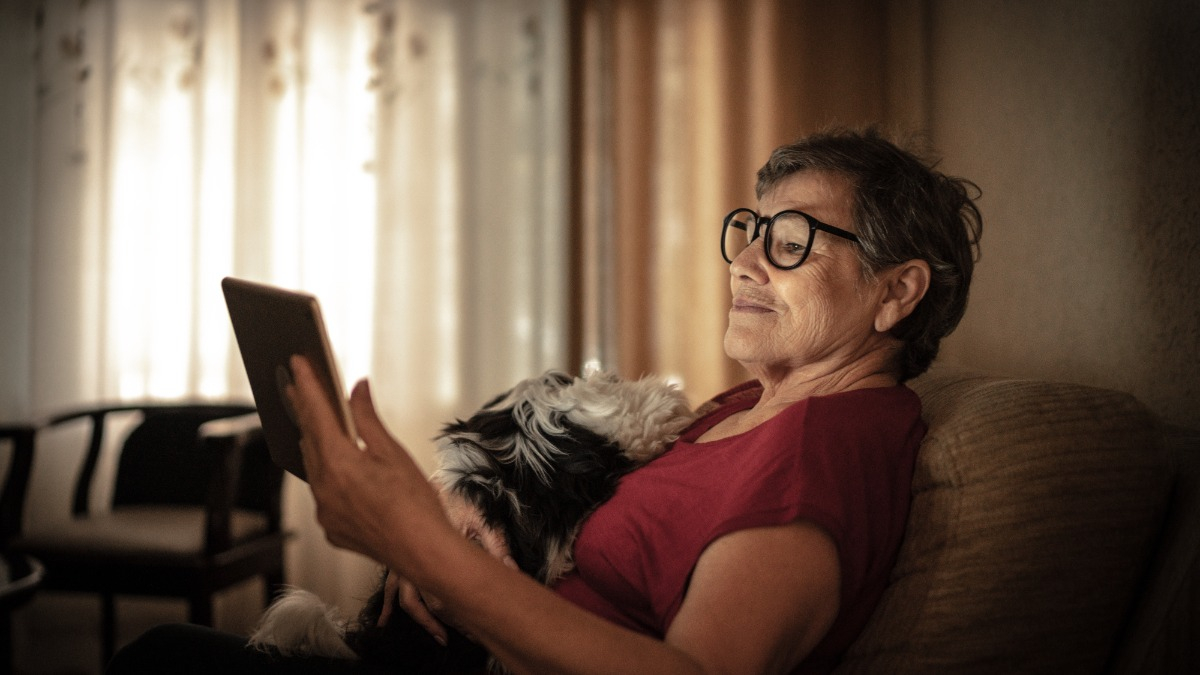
{"points": [[1036, 507]]}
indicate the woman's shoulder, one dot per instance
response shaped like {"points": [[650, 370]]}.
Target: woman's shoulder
{"points": [[859, 412], [896, 402], [870, 397], [864, 423], [879, 406], [873, 419]]}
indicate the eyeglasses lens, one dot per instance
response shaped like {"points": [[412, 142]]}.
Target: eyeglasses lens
{"points": [[787, 240]]}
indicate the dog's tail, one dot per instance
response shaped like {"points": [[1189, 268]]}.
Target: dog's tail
{"points": [[299, 624]]}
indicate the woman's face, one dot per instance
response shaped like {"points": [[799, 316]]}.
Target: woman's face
{"points": [[817, 317]]}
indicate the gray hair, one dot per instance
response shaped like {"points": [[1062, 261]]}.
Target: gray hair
{"points": [[904, 210]]}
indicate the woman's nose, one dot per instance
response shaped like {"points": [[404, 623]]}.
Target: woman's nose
{"points": [[751, 261]]}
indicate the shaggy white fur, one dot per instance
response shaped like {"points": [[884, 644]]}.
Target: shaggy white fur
{"points": [[299, 624]]}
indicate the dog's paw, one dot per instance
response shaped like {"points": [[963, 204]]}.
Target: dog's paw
{"points": [[299, 624]]}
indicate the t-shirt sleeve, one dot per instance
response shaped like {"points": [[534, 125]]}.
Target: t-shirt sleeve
{"points": [[813, 463]]}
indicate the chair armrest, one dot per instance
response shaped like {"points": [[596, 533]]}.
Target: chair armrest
{"points": [[246, 432], [230, 427], [12, 498]]}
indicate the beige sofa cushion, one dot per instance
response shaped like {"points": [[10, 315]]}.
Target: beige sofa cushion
{"points": [[1035, 507]]}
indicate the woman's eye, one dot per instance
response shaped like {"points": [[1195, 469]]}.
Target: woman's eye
{"points": [[788, 248]]}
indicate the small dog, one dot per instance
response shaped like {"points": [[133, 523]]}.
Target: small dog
{"points": [[533, 463]]}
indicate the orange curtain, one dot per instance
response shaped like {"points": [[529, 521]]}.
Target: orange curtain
{"points": [[676, 105]]}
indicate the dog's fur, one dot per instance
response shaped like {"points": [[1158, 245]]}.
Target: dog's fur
{"points": [[534, 463]]}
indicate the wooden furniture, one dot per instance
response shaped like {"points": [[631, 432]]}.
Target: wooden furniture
{"points": [[20, 575], [195, 508]]}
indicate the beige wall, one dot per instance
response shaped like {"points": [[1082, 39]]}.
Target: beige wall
{"points": [[17, 109], [1080, 122]]}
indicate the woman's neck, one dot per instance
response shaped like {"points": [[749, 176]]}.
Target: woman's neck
{"points": [[784, 386]]}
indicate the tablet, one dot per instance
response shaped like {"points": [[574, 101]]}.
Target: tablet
{"points": [[271, 324]]}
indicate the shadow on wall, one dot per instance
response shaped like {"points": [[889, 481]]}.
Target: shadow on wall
{"points": [[1168, 199]]}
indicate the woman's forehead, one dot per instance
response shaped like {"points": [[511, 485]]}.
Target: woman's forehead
{"points": [[824, 195]]}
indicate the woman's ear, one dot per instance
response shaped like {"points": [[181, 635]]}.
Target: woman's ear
{"points": [[904, 286]]}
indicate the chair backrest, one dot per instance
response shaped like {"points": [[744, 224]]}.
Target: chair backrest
{"points": [[1036, 507], [162, 460], [159, 462]]}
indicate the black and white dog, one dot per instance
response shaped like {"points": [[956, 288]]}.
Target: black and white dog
{"points": [[533, 464]]}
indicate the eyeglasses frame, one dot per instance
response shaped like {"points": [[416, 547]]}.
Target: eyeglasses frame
{"points": [[766, 225]]}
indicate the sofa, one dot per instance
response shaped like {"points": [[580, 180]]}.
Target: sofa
{"points": [[1055, 528]]}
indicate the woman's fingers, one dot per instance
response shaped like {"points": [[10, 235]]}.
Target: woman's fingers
{"points": [[413, 604], [319, 426], [398, 591], [391, 591], [313, 409], [366, 419]]}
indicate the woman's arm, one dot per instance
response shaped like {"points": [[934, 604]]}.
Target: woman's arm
{"points": [[758, 600]]}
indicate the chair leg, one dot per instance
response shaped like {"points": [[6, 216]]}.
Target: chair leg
{"points": [[108, 628], [273, 588], [200, 610]]}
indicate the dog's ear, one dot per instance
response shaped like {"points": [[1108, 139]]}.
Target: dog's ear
{"points": [[640, 416]]}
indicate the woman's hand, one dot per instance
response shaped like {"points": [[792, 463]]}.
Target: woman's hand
{"points": [[373, 498], [398, 591]]}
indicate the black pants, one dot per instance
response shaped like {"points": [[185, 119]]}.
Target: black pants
{"points": [[186, 649]]}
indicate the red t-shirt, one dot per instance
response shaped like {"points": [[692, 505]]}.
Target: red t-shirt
{"points": [[843, 462]]}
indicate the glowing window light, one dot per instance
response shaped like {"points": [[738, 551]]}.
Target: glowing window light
{"points": [[284, 192], [172, 211], [283, 149], [447, 246], [150, 257], [338, 218], [215, 221]]}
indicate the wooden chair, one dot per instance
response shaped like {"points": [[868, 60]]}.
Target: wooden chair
{"points": [[20, 575], [195, 509]]}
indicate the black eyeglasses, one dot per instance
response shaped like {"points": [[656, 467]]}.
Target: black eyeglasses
{"points": [[787, 235]]}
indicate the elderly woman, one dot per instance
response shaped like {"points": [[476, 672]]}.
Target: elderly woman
{"points": [[763, 539]]}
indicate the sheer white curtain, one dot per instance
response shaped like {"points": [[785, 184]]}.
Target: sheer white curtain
{"points": [[404, 160]]}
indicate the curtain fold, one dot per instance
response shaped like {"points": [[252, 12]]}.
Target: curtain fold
{"points": [[683, 101], [401, 159]]}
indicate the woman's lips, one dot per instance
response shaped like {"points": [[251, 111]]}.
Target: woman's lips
{"points": [[748, 306]]}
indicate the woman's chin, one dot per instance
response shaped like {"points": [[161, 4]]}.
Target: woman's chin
{"points": [[739, 345]]}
